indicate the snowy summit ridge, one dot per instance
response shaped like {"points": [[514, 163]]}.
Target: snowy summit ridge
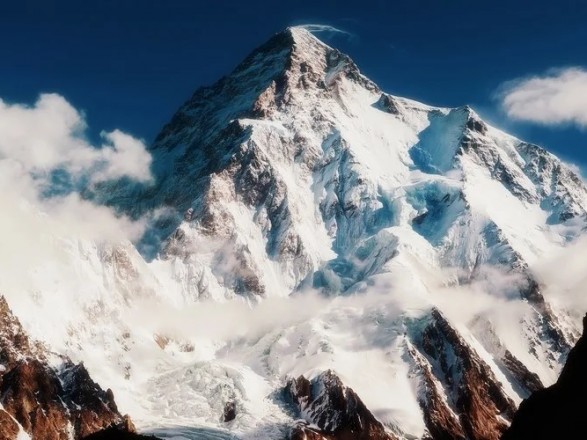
{"points": [[375, 250]]}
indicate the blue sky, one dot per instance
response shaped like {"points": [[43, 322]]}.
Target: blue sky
{"points": [[130, 64]]}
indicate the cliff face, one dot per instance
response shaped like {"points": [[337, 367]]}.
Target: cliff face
{"points": [[331, 411], [46, 396], [557, 412], [476, 395]]}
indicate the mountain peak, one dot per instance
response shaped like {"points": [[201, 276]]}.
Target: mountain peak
{"points": [[290, 61], [305, 55], [300, 33], [292, 39]]}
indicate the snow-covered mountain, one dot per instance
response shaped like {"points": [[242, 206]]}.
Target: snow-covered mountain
{"points": [[319, 250]]}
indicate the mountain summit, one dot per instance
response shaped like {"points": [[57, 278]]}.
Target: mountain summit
{"points": [[325, 261]]}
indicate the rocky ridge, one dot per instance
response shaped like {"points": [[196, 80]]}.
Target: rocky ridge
{"points": [[559, 410], [48, 397]]}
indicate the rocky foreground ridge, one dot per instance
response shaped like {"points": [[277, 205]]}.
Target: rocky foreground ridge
{"points": [[46, 396], [559, 410]]}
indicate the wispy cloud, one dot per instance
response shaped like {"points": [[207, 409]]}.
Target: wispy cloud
{"points": [[317, 28], [554, 98], [564, 277]]}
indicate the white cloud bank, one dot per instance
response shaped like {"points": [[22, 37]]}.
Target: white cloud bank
{"points": [[558, 97], [51, 134], [565, 277], [48, 136]]}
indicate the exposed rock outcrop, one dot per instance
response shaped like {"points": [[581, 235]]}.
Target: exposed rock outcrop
{"points": [[229, 413], [118, 433], [559, 410], [333, 410], [48, 403], [462, 398], [441, 421], [9, 428]]}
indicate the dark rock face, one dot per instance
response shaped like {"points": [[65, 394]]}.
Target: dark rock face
{"points": [[30, 392], [477, 407], [229, 412], [476, 125], [14, 342], [8, 427], [48, 403], [122, 431], [335, 409], [302, 431], [442, 423], [389, 104], [557, 411], [530, 380], [118, 433]]}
